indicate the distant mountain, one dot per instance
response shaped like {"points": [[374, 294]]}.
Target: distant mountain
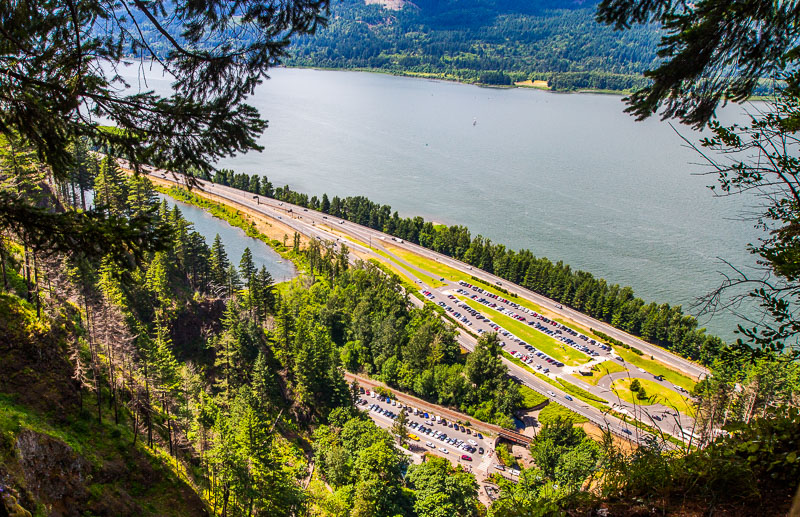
{"points": [[483, 41]]}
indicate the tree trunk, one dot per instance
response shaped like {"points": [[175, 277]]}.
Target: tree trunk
{"points": [[135, 427], [169, 424], [147, 407], [3, 262], [225, 496], [36, 287], [27, 273]]}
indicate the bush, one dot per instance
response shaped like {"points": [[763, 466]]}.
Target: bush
{"points": [[505, 456]]}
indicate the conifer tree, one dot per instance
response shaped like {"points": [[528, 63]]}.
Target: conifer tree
{"points": [[219, 264], [246, 267], [110, 188], [83, 168], [142, 197]]}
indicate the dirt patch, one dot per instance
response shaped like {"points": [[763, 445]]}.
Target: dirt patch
{"points": [[542, 85], [392, 5], [594, 432]]}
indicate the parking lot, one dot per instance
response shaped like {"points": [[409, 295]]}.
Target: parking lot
{"points": [[432, 433], [481, 323]]}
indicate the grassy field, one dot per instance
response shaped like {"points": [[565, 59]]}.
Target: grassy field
{"points": [[418, 262], [530, 397], [656, 368], [554, 410], [656, 394], [541, 85], [599, 371], [546, 344]]}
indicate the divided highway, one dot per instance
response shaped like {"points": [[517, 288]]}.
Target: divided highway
{"points": [[321, 226]]}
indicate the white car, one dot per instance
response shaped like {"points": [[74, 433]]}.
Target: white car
{"points": [[444, 450], [473, 443], [514, 472], [551, 393], [499, 467], [429, 444]]}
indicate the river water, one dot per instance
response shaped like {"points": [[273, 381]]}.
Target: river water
{"points": [[570, 177], [235, 241]]}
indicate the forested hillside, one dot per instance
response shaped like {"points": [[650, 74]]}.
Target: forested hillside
{"points": [[206, 370], [490, 41]]}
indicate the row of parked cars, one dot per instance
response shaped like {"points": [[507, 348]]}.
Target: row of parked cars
{"points": [[426, 428], [545, 324]]}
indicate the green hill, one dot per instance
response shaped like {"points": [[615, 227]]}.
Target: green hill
{"points": [[490, 41]]}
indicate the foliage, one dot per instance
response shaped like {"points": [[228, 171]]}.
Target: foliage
{"points": [[60, 68], [442, 489], [555, 411], [356, 456], [504, 455], [736, 471], [492, 42], [531, 398], [711, 50], [564, 454]]}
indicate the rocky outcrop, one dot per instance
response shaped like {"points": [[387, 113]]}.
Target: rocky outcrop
{"points": [[53, 472]]}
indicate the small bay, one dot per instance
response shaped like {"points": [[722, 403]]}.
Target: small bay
{"points": [[235, 241]]}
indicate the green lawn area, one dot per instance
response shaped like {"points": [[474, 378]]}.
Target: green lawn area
{"points": [[656, 368], [600, 370], [431, 266], [656, 394], [554, 410], [530, 397], [546, 344], [580, 392], [432, 281]]}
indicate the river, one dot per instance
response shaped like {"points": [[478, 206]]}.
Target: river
{"points": [[568, 176], [235, 241]]}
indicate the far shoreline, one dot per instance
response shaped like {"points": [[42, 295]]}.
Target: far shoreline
{"points": [[413, 75]]}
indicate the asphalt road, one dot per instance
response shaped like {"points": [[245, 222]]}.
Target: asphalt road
{"points": [[313, 224]]}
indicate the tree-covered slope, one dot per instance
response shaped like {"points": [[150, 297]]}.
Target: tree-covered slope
{"points": [[490, 41]]}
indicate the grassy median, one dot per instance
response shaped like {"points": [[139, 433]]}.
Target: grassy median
{"points": [[656, 394], [599, 371], [656, 367], [555, 349]]}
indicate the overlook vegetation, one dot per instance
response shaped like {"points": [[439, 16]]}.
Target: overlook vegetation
{"points": [[142, 373]]}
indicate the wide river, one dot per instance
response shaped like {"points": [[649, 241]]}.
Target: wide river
{"points": [[571, 177]]}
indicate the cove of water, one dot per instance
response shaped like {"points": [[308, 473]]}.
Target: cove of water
{"points": [[570, 177], [235, 241]]}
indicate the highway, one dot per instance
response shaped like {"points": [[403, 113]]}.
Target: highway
{"points": [[321, 226]]}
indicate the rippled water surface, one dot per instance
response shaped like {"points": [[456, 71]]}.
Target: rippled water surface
{"points": [[570, 177]]}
